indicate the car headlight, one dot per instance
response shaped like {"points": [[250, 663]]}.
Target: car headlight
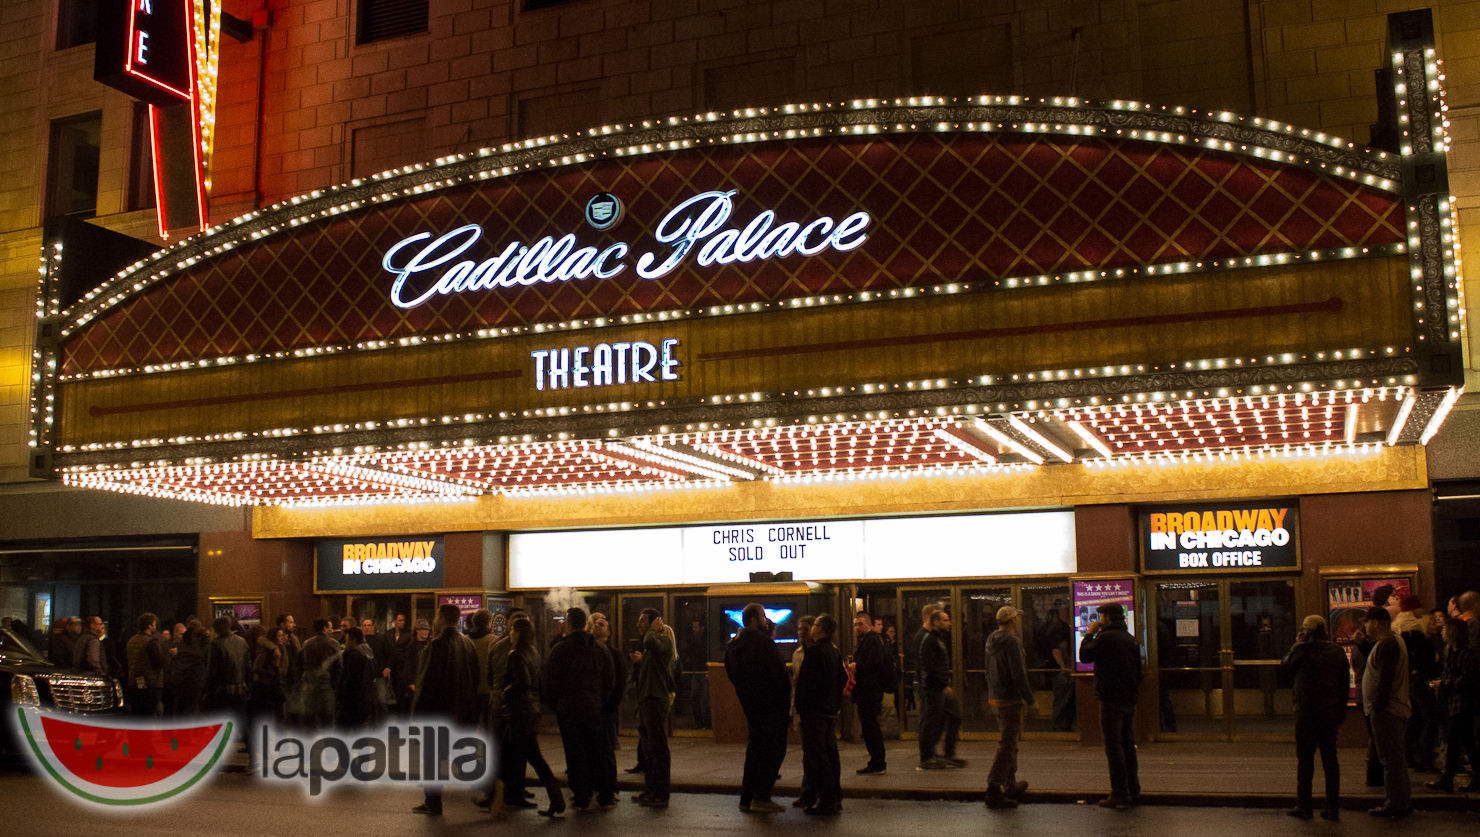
{"points": [[117, 694], [23, 691]]}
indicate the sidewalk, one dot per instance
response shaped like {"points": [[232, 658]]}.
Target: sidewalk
{"points": [[1243, 774]]}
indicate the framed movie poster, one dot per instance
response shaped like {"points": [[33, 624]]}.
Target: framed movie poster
{"points": [[1351, 591], [1089, 594]]}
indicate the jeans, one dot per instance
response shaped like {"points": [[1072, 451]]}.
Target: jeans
{"points": [[820, 758], [652, 726], [1065, 703], [1004, 767], [938, 715], [586, 758], [1118, 725], [1316, 732], [873, 735], [1388, 735], [765, 750]]}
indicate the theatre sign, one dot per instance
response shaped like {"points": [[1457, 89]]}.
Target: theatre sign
{"points": [[809, 291]]}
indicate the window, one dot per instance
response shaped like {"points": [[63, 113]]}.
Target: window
{"points": [[141, 193], [72, 174], [77, 23], [382, 19]]}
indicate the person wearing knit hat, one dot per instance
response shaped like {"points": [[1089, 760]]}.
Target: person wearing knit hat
{"points": [[1320, 670], [1009, 692]]}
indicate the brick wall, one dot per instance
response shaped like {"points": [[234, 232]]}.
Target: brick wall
{"points": [[303, 106]]}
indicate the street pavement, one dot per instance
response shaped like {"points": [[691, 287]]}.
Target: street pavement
{"points": [[1246, 774], [236, 805]]}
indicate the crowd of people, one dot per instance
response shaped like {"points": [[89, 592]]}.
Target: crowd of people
{"points": [[1417, 677]]}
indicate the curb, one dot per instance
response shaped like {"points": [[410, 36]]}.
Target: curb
{"points": [[1354, 802], [1358, 802]]}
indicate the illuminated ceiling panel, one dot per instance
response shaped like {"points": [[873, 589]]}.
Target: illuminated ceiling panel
{"points": [[1341, 422]]}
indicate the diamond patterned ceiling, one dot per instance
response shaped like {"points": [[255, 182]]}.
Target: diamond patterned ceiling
{"points": [[945, 207]]}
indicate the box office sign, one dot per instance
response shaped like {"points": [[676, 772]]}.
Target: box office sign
{"points": [[378, 565], [1247, 537]]}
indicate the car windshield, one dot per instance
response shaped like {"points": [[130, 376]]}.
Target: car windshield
{"points": [[15, 647]]}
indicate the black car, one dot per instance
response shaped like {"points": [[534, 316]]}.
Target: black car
{"points": [[28, 679]]}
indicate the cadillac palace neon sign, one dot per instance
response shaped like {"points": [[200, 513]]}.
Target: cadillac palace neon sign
{"points": [[694, 229]]}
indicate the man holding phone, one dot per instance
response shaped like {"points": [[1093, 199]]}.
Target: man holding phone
{"points": [[654, 661], [1117, 660]]}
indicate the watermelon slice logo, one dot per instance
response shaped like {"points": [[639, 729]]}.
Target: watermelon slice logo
{"points": [[122, 764]]}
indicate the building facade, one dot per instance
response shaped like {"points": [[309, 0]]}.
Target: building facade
{"points": [[620, 302]]}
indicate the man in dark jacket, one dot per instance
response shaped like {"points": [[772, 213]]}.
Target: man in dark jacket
{"points": [[322, 668], [578, 681], [1116, 657], [1322, 674], [1010, 694], [819, 699], [1385, 699], [146, 664], [654, 699], [88, 655], [753, 664], [446, 687], [873, 675], [940, 711]]}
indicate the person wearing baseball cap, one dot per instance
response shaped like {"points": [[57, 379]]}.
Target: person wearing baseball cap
{"points": [[1385, 699], [1010, 693], [1322, 676]]}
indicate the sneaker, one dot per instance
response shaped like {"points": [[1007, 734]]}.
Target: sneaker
{"points": [[607, 804], [1019, 789], [871, 770], [953, 762], [1299, 813], [1332, 814], [824, 810], [423, 808], [803, 802], [932, 764], [655, 802], [636, 768], [1441, 785], [1113, 801], [764, 806]]}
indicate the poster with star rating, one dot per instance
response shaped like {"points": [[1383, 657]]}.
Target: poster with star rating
{"points": [[1089, 595]]}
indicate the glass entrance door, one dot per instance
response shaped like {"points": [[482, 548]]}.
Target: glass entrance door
{"points": [[980, 606], [912, 602], [1189, 642], [1262, 624], [1218, 647]]}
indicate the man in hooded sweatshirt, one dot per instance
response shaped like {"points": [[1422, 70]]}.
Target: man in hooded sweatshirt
{"points": [[1010, 694]]}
